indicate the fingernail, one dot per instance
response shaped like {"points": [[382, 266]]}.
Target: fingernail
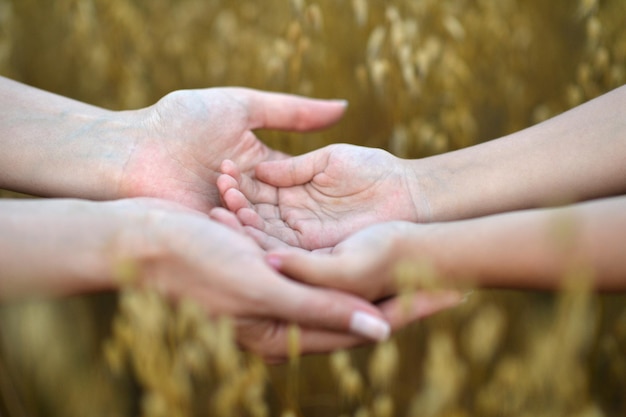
{"points": [[369, 326], [274, 261], [342, 102]]}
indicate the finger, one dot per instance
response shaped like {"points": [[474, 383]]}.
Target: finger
{"points": [[249, 217], [234, 200], [315, 268], [272, 340], [227, 218], [264, 240], [323, 341], [257, 191], [400, 312], [294, 171], [254, 190], [228, 167], [326, 309], [289, 112], [264, 218], [225, 183], [320, 341]]}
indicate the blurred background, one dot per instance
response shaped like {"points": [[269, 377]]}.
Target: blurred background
{"points": [[422, 77]]}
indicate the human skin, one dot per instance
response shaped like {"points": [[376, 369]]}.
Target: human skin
{"points": [[533, 249], [315, 200], [56, 147], [53, 146], [59, 247]]}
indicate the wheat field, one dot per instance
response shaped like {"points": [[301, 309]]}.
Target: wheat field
{"points": [[422, 77]]}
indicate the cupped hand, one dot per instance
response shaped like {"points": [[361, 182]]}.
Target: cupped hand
{"points": [[180, 142], [369, 263], [188, 255], [364, 265], [317, 199]]}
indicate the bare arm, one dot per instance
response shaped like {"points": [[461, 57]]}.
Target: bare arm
{"points": [[524, 249], [62, 247], [317, 199], [537, 248], [578, 155], [55, 146]]}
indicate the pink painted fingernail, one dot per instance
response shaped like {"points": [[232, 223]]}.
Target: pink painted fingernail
{"points": [[372, 327], [274, 261]]}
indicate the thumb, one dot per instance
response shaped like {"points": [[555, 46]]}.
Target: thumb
{"points": [[269, 110], [293, 171], [318, 269], [400, 313]]}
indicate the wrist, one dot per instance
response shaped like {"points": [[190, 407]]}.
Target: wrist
{"points": [[110, 245], [452, 186], [435, 251], [54, 146], [111, 140], [64, 246], [137, 244], [426, 186], [80, 155]]}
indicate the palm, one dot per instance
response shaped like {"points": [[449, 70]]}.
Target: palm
{"points": [[225, 273], [325, 196], [189, 133]]}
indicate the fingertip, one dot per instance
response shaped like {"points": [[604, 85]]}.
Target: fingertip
{"points": [[304, 266], [369, 326], [275, 261], [224, 165], [228, 167], [225, 182], [277, 257], [320, 114], [423, 304], [342, 103], [450, 298], [227, 218], [336, 110], [235, 200]]}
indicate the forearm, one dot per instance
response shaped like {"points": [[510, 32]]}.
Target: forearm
{"points": [[575, 156], [52, 247], [54, 146], [533, 248]]}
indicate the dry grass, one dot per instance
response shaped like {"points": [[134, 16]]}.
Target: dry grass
{"points": [[422, 77]]}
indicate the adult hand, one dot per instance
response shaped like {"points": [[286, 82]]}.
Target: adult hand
{"points": [[317, 199], [226, 273], [183, 254], [57, 147], [185, 136], [538, 249], [363, 265]]}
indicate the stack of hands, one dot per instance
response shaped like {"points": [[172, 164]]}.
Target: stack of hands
{"points": [[186, 192]]}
